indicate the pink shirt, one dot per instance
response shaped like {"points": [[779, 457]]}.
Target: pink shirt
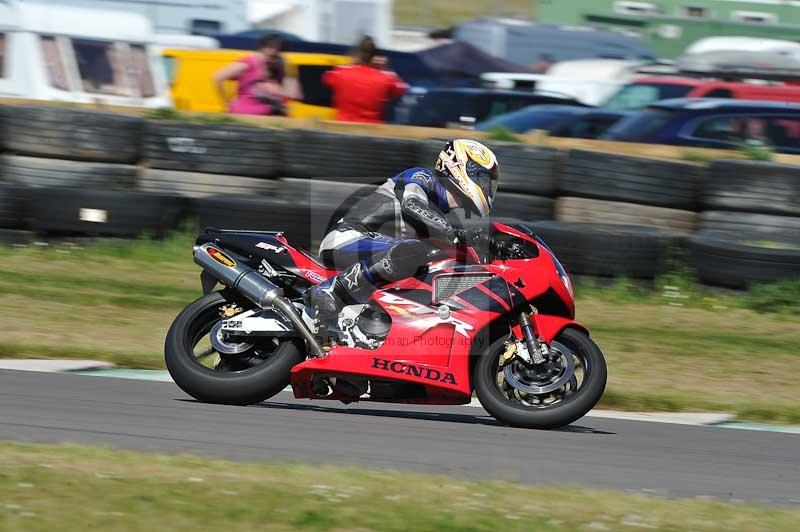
{"points": [[246, 103]]}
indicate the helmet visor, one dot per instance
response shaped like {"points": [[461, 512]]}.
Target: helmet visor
{"points": [[484, 178]]}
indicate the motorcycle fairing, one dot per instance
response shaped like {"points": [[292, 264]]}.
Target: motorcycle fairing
{"points": [[272, 247], [432, 351], [420, 348]]}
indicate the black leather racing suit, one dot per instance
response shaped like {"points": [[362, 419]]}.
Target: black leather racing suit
{"points": [[386, 236]]}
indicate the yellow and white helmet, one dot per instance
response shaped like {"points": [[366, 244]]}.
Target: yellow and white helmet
{"points": [[469, 170]]}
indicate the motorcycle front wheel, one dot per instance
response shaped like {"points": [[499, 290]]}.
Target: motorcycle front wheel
{"points": [[549, 396], [246, 374]]}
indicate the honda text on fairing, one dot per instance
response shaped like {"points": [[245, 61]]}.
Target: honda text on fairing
{"points": [[496, 319]]}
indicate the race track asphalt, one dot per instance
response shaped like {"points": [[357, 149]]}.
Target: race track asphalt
{"points": [[657, 458]]}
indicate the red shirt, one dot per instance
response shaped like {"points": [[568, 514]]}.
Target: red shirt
{"points": [[360, 92]]}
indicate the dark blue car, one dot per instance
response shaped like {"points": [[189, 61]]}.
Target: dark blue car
{"points": [[469, 106], [557, 120], [713, 123]]}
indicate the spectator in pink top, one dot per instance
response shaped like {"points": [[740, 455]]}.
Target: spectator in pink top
{"points": [[260, 88]]}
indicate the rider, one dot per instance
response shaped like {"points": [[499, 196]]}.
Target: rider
{"points": [[381, 236]]}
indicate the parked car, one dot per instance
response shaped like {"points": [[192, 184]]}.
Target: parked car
{"points": [[647, 90], [557, 120], [532, 117], [713, 123], [742, 44], [588, 125], [466, 107], [590, 81]]}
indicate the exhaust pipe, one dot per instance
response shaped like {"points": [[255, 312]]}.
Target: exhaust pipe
{"points": [[233, 271]]}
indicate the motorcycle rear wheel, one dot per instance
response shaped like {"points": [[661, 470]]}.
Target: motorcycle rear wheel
{"points": [[573, 405], [252, 377]]}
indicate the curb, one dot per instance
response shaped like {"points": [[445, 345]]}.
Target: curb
{"points": [[54, 366]]}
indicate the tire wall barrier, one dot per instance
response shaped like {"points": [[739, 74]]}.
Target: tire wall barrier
{"points": [[77, 134], [752, 186], [86, 172], [610, 250], [39, 172], [750, 224], [212, 149], [326, 155], [71, 211], [623, 178], [196, 184], [569, 209]]}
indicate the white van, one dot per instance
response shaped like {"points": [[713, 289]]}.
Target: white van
{"points": [[61, 53], [590, 81], [743, 44]]}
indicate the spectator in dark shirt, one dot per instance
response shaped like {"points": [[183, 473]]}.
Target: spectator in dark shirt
{"points": [[362, 90]]}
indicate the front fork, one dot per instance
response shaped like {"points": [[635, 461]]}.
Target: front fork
{"points": [[536, 349]]}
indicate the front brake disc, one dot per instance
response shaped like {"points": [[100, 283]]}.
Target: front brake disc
{"points": [[525, 385]]}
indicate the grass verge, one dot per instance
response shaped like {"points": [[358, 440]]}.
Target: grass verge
{"points": [[443, 13], [676, 347], [75, 488]]}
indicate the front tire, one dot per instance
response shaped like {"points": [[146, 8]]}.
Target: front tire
{"points": [[518, 410], [248, 379]]}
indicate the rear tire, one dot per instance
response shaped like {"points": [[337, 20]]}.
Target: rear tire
{"points": [[245, 387], [570, 409]]}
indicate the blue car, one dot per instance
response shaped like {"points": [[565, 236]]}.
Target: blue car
{"points": [[469, 106], [532, 117], [590, 124], [557, 120], [713, 123]]}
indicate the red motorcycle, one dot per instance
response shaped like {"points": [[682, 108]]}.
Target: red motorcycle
{"points": [[496, 321]]}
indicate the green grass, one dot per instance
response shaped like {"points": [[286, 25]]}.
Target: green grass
{"points": [[757, 151], [502, 134], [770, 244], [167, 113], [76, 488], [695, 157], [442, 13], [671, 345], [681, 290]]}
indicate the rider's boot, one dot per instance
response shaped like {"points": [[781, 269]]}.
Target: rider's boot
{"points": [[351, 286]]}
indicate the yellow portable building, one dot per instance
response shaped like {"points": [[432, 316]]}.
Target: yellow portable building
{"points": [[190, 74]]}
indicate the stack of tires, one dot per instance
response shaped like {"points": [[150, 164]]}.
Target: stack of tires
{"points": [[199, 160], [528, 181], [77, 170], [326, 173], [228, 173], [619, 215], [323, 173], [750, 227]]}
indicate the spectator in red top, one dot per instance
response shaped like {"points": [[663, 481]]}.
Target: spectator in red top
{"points": [[362, 90]]}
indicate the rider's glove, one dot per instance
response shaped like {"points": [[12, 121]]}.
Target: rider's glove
{"points": [[459, 236], [477, 237]]}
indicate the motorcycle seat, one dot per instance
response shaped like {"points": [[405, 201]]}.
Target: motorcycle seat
{"points": [[316, 259]]}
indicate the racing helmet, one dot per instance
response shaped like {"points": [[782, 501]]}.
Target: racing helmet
{"points": [[469, 171]]}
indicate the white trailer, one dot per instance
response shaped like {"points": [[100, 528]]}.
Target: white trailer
{"points": [[191, 17], [54, 52]]}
